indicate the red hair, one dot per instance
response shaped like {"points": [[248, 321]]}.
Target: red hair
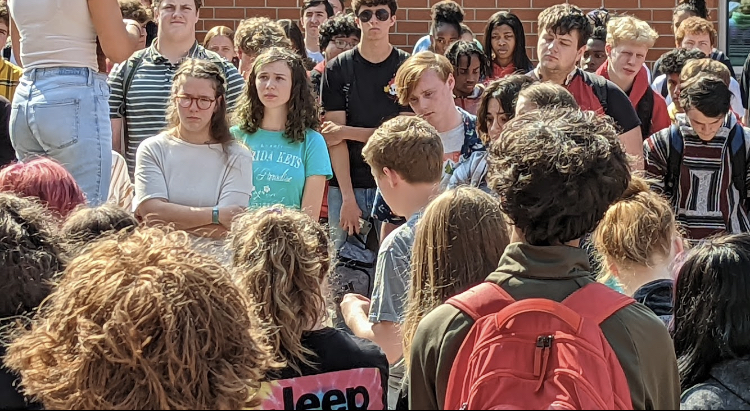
{"points": [[46, 180]]}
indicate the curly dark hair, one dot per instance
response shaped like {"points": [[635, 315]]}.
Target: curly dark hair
{"points": [[556, 172], [87, 224], [132, 9], [673, 61], [447, 12], [505, 91], [29, 254], [696, 7], [143, 322], [343, 25], [565, 18], [711, 314], [304, 112], [468, 49]]}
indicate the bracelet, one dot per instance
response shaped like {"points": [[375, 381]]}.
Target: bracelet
{"points": [[215, 216]]}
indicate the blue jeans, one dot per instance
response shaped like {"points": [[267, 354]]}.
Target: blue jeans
{"points": [[365, 199], [63, 113]]}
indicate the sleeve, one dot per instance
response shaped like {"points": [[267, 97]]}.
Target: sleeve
{"points": [[434, 347], [116, 94], [121, 188], [737, 106], [392, 273], [660, 115], [317, 159], [150, 181], [620, 108], [658, 85], [656, 153], [656, 72], [745, 81], [332, 94], [235, 86], [238, 184]]}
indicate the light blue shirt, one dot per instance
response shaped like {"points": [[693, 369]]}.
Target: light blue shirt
{"points": [[281, 167]]}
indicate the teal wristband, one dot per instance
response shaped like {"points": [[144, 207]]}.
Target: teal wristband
{"points": [[215, 216]]}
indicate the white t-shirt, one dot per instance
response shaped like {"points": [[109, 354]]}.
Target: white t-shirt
{"points": [[55, 33], [453, 140], [194, 175]]}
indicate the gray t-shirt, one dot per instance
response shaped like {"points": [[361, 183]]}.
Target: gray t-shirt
{"points": [[194, 175], [392, 280]]}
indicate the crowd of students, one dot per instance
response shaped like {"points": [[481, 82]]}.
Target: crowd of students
{"points": [[299, 215]]}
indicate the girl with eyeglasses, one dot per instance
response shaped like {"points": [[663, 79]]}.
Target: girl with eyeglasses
{"points": [[277, 119], [194, 175]]}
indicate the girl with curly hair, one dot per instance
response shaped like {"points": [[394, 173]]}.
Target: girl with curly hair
{"points": [[143, 323], [282, 258], [277, 119]]}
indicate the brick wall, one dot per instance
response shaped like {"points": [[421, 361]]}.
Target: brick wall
{"points": [[414, 16]]}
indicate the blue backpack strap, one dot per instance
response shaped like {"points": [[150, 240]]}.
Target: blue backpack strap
{"points": [[674, 163]]}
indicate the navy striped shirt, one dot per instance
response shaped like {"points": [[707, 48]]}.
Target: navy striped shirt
{"points": [[149, 93]]}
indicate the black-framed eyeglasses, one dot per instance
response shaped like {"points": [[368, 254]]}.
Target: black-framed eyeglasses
{"points": [[342, 44], [202, 102], [380, 14]]}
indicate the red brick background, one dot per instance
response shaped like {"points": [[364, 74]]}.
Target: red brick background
{"points": [[414, 16]]}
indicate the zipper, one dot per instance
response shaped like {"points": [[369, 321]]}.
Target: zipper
{"points": [[541, 358]]}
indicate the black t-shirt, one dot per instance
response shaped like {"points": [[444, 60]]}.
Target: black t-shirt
{"points": [[588, 89], [7, 154], [352, 373], [367, 93]]}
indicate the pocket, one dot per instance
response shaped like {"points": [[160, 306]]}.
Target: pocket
{"points": [[56, 124]]}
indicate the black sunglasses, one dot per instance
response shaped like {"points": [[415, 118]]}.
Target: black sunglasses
{"points": [[381, 14]]}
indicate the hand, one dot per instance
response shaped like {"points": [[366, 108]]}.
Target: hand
{"points": [[333, 133], [350, 214], [354, 305], [227, 214]]}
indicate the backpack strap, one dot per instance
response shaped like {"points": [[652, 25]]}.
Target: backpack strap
{"points": [[674, 163], [599, 86], [482, 300], [597, 302], [131, 66], [738, 158]]}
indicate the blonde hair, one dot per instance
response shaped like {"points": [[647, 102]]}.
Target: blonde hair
{"points": [[218, 31], [695, 25], [630, 29], [281, 258], [636, 230], [705, 66], [142, 322], [409, 146], [459, 242], [409, 74], [256, 34]]}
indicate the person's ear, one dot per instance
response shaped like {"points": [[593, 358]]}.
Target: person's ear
{"points": [[392, 177], [451, 81], [608, 50]]}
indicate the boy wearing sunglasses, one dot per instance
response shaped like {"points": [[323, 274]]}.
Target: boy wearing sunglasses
{"points": [[358, 95]]}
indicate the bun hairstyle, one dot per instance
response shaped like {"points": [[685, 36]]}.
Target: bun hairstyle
{"points": [[637, 230], [696, 7], [447, 12]]}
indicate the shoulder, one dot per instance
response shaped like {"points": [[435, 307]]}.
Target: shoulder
{"points": [[235, 148], [710, 395], [445, 326], [155, 142], [401, 239], [402, 55], [343, 58], [314, 139]]}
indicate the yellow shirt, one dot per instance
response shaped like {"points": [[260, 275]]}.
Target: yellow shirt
{"points": [[9, 76]]}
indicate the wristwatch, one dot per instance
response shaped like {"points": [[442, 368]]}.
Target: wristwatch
{"points": [[215, 216]]}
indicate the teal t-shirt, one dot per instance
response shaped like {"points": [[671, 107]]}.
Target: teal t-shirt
{"points": [[280, 166]]}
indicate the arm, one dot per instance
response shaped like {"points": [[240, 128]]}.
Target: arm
{"points": [[110, 29], [632, 143], [117, 135], [15, 39], [656, 152], [386, 334], [158, 211], [312, 197], [339, 153]]}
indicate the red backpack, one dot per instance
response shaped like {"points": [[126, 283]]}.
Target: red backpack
{"points": [[537, 353]]}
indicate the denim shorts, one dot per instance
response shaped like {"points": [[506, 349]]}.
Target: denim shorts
{"points": [[63, 113]]}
